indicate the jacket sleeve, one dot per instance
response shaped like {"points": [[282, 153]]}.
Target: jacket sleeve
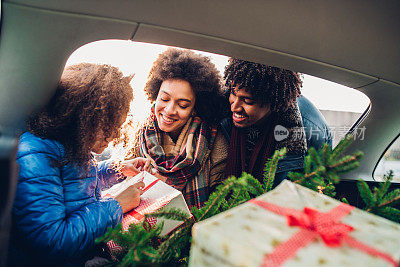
{"points": [[41, 217], [218, 157], [108, 176]]}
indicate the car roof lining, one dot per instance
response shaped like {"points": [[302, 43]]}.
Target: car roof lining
{"points": [[317, 30]]}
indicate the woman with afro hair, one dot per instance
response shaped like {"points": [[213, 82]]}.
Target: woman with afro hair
{"points": [[58, 211], [180, 137]]}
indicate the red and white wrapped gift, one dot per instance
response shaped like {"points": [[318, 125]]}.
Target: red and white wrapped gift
{"points": [[295, 226], [156, 195]]}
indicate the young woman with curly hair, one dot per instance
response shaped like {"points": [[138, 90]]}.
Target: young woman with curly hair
{"points": [[58, 212], [181, 137]]}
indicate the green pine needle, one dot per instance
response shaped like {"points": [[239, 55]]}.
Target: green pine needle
{"points": [[270, 168]]}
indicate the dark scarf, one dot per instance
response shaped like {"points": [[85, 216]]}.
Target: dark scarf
{"points": [[243, 157]]}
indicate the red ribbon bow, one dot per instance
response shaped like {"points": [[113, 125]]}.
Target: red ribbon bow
{"points": [[331, 231], [315, 224]]}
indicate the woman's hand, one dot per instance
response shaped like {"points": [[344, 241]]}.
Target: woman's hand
{"points": [[133, 166], [159, 176], [130, 197]]}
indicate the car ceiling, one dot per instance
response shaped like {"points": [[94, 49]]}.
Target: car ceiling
{"points": [[354, 43]]}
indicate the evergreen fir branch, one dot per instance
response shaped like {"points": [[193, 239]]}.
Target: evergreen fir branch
{"points": [[296, 177], [343, 162], [348, 167], [326, 154], [384, 187], [221, 192], [224, 205], [171, 213], [168, 249], [196, 212], [258, 188], [319, 170], [390, 213], [344, 200], [307, 164], [333, 177], [270, 168], [315, 157], [233, 200], [341, 146], [213, 204], [365, 194], [391, 198], [329, 190], [109, 233]]}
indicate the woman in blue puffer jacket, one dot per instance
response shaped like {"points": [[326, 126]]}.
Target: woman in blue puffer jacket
{"points": [[58, 212]]}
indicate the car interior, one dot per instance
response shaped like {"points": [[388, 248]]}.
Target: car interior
{"points": [[353, 43]]}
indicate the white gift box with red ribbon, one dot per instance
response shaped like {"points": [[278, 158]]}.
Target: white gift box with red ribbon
{"points": [[156, 195], [295, 226]]}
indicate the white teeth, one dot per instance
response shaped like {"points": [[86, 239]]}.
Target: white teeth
{"points": [[238, 116], [166, 119]]}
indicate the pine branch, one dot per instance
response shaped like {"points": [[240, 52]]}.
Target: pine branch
{"points": [[385, 186], [366, 194], [390, 213], [381, 201], [341, 146], [234, 199], [255, 186], [222, 191], [171, 213], [270, 168], [392, 198], [168, 247], [322, 168]]}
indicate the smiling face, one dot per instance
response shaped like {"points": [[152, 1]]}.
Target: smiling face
{"points": [[174, 105], [246, 111]]}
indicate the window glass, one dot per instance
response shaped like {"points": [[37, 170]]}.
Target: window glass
{"points": [[389, 161], [341, 106]]}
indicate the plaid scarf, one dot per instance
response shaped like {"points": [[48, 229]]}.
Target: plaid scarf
{"points": [[189, 170]]}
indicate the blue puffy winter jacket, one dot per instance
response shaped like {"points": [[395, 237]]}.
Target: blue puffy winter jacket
{"points": [[57, 214]]}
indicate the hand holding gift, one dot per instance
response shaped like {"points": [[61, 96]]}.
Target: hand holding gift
{"points": [[134, 166], [130, 197], [154, 195]]}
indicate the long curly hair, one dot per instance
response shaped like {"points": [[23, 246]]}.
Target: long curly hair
{"points": [[89, 98], [268, 85], [199, 71]]}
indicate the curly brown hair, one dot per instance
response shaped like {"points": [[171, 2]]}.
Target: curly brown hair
{"points": [[199, 71], [267, 85], [89, 98]]}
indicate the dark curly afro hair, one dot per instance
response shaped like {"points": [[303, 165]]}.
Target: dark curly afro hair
{"points": [[200, 72], [268, 85], [89, 98]]}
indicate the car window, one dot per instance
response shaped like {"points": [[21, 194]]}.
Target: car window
{"points": [[389, 161], [340, 105]]}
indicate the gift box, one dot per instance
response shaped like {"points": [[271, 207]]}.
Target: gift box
{"points": [[295, 226], [156, 195]]}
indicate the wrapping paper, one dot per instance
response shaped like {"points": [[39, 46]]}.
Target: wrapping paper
{"points": [[156, 195], [252, 233]]}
